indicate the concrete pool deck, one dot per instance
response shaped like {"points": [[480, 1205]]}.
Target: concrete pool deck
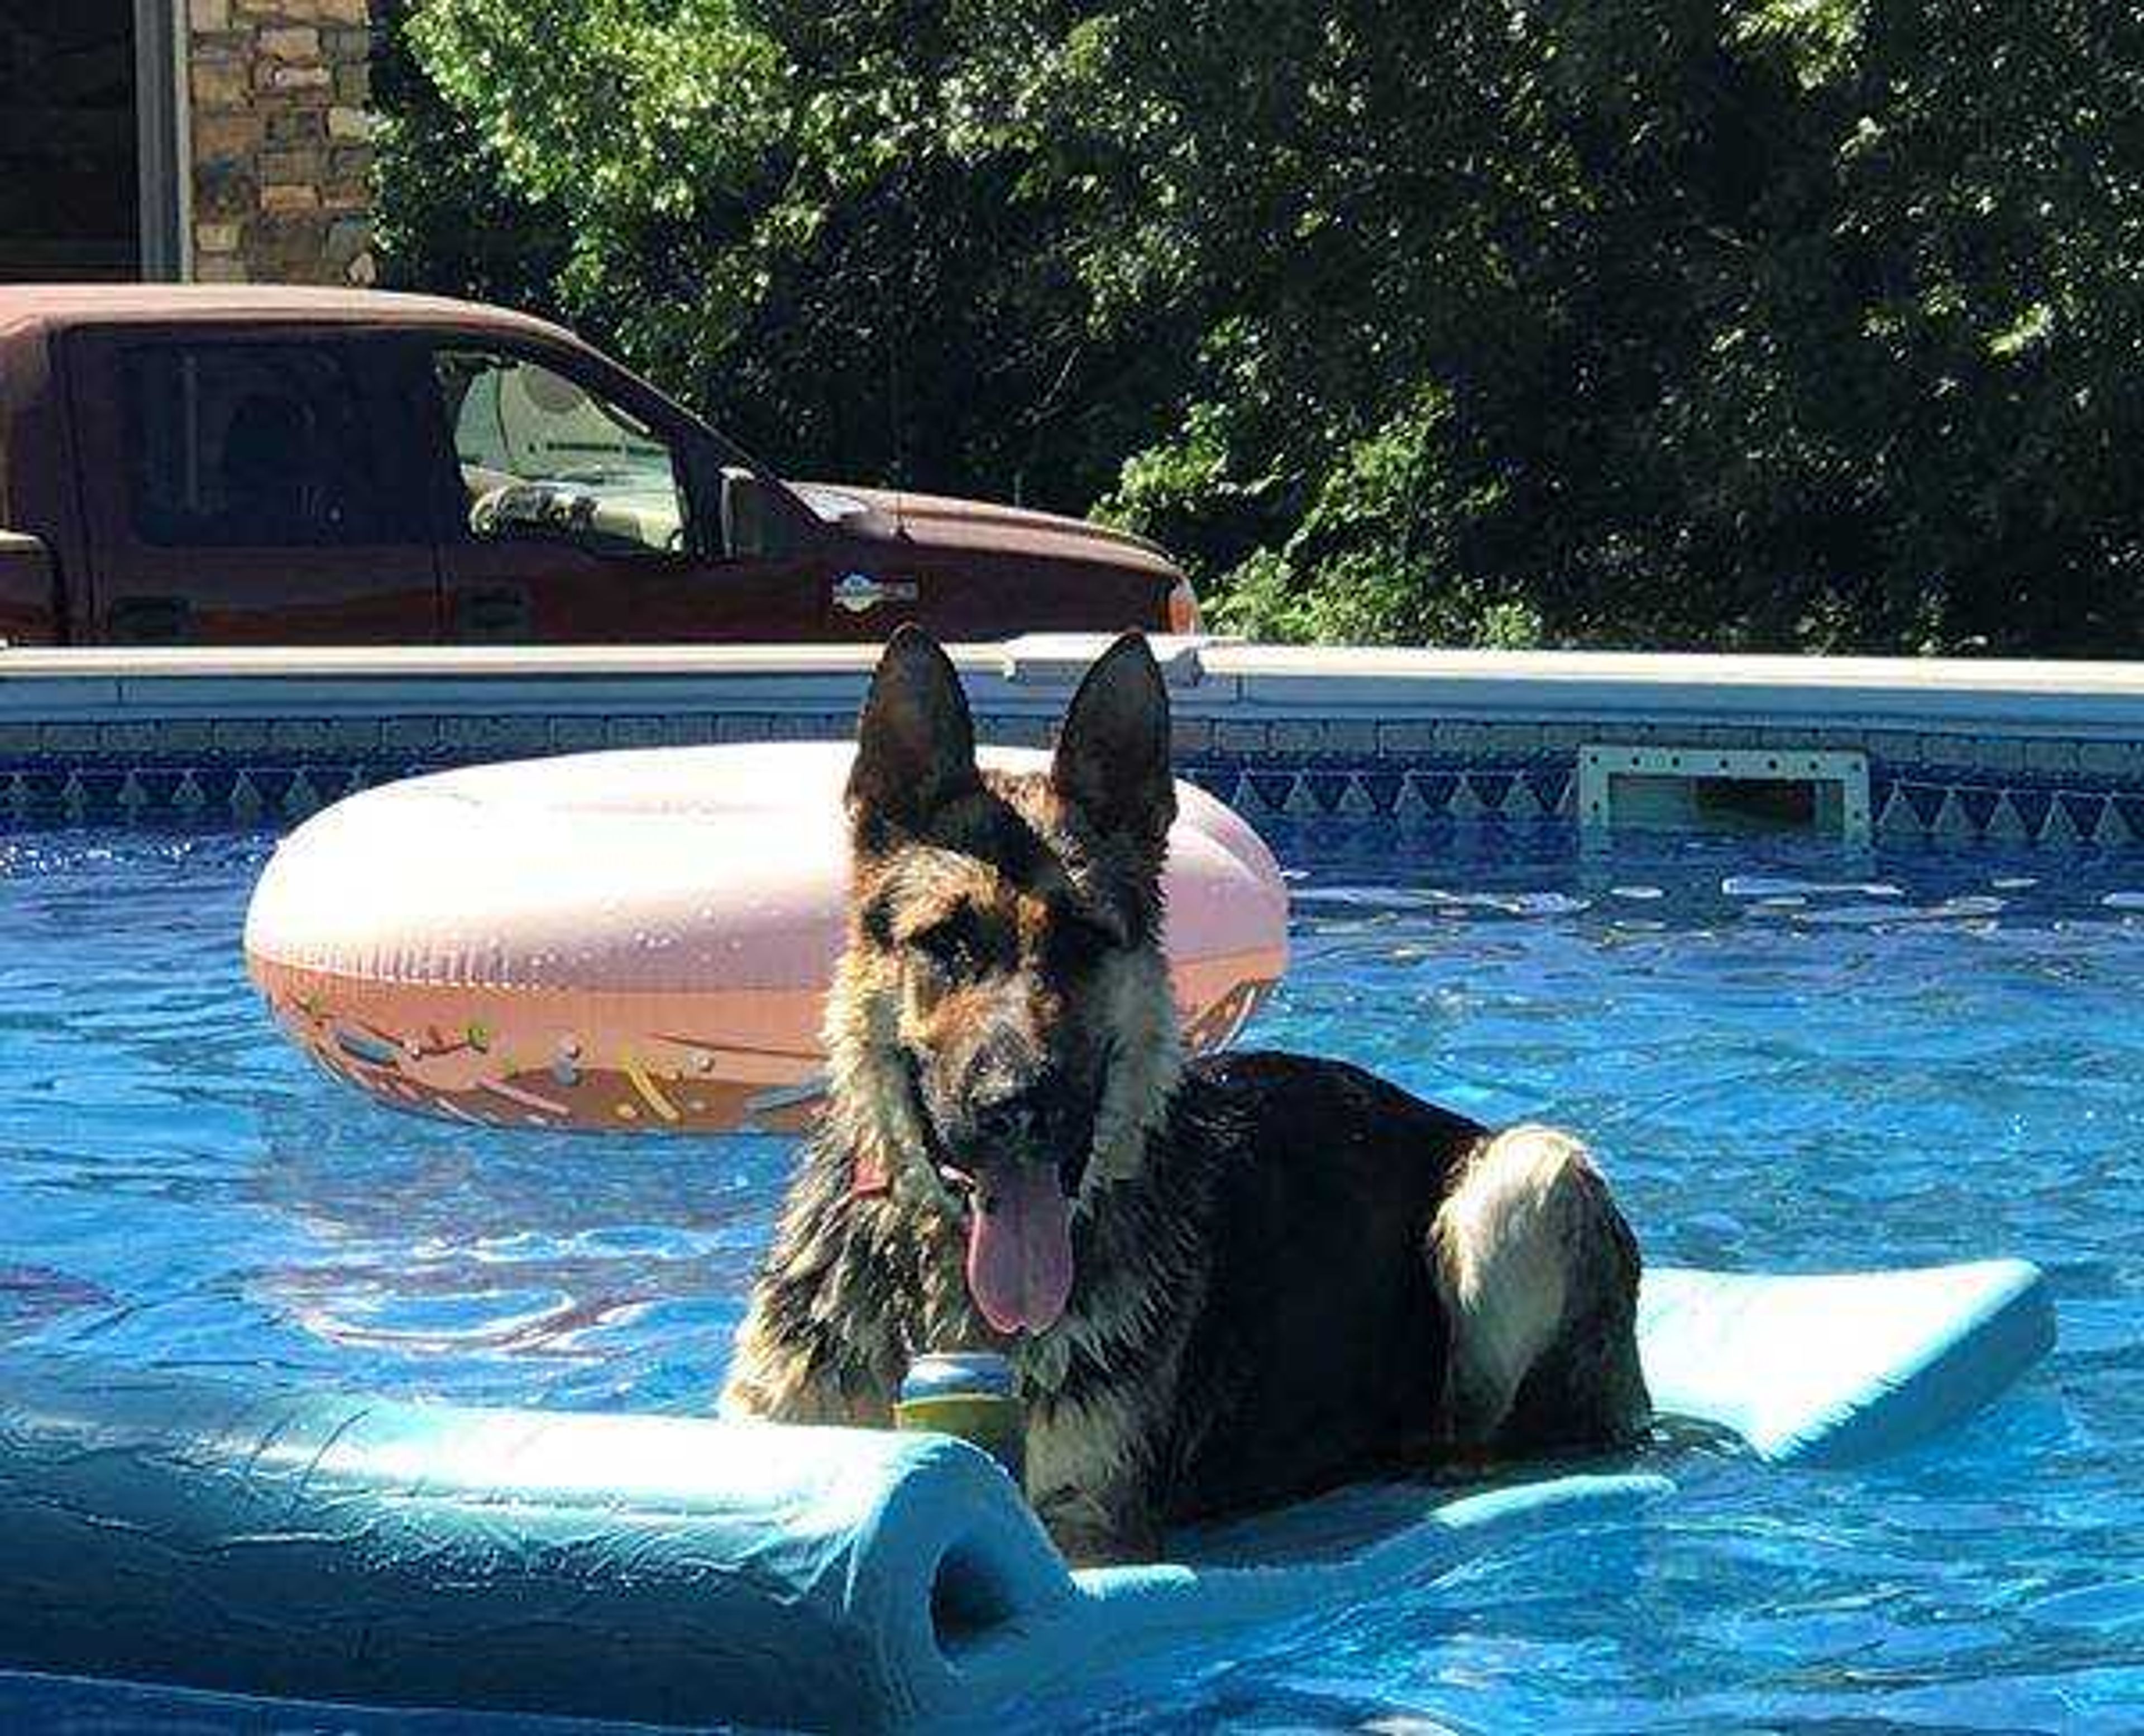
{"points": [[1955, 750]]}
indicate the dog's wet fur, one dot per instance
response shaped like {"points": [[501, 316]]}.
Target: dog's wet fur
{"points": [[1286, 1274]]}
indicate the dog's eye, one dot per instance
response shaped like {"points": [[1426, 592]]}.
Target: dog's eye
{"points": [[953, 943]]}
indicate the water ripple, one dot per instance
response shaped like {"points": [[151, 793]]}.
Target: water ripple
{"points": [[1801, 1060]]}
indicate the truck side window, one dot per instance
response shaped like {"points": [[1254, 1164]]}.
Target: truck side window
{"points": [[247, 445], [541, 457]]}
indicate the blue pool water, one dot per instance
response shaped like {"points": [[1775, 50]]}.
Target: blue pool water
{"points": [[1788, 1058]]}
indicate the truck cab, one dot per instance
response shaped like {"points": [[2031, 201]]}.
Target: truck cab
{"points": [[211, 465]]}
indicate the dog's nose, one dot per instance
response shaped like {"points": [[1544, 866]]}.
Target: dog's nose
{"points": [[1010, 1120]]}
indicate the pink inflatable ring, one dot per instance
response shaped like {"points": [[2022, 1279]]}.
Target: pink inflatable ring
{"points": [[643, 939]]}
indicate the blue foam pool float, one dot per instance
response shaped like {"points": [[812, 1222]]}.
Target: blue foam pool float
{"points": [[674, 1570], [1834, 1368]]}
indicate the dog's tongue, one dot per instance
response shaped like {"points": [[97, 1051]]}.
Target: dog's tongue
{"points": [[1020, 1246]]}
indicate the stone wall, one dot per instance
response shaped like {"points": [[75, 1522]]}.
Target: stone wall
{"points": [[282, 152]]}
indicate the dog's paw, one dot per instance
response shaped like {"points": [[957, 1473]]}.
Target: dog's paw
{"points": [[1091, 1531], [1109, 1549]]}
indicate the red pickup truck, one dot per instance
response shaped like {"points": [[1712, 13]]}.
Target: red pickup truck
{"points": [[206, 465]]}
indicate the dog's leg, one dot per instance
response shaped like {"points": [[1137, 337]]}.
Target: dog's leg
{"points": [[1538, 1274], [1100, 1528], [774, 1382], [804, 1354], [1087, 1478]]}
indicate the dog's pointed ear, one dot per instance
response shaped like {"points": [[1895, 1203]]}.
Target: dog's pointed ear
{"points": [[1113, 753], [915, 743]]}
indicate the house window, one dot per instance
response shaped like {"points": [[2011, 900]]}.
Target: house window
{"points": [[89, 124], [70, 195]]}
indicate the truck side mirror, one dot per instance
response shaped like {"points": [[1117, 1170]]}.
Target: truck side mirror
{"points": [[746, 531], [737, 513]]}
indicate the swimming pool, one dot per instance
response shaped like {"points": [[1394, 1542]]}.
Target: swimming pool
{"points": [[1789, 1059]]}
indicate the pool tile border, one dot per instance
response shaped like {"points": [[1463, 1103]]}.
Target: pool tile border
{"points": [[2053, 792]]}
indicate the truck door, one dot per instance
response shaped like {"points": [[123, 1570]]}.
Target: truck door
{"points": [[573, 508], [247, 487]]}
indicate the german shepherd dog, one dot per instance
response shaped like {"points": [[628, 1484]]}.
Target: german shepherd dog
{"points": [[1226, 1283]]}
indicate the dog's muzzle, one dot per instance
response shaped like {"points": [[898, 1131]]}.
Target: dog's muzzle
{"points": [[1013, 1171]]}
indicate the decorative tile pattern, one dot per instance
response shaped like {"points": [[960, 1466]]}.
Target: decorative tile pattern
{"points": [[1953, 790]]}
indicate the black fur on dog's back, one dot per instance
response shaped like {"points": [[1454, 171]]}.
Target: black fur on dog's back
{"points": [[1319, 1356]]}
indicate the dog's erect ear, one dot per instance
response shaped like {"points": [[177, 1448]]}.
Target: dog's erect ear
{"points": [[915, 743], [1113, 753]]}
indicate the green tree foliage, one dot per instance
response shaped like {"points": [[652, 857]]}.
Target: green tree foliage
{"points": [[798, 216], [1764, 324]]}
